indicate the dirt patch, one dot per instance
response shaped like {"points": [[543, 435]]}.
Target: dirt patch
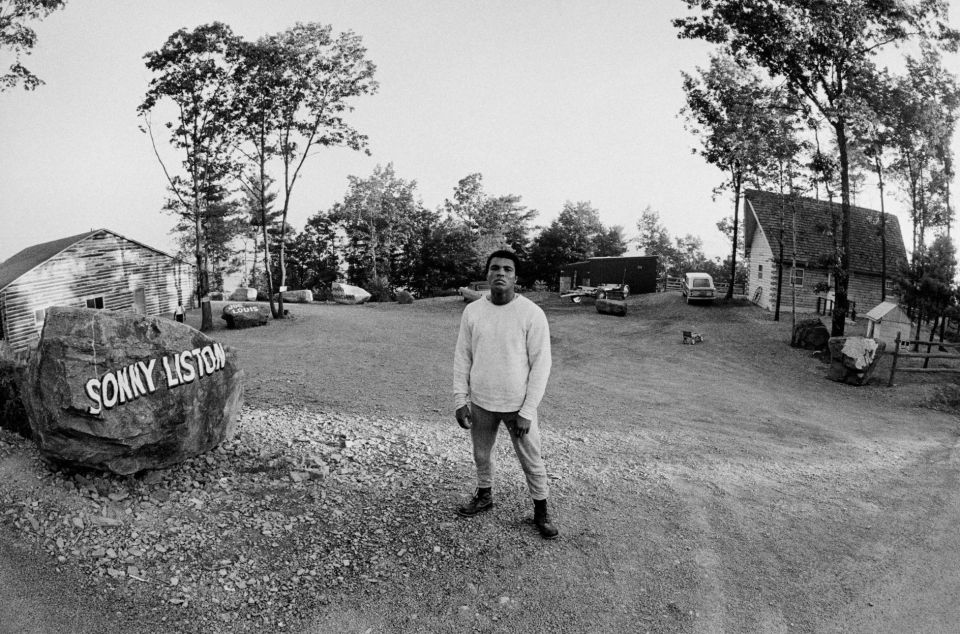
{"points": [[723, 486]]}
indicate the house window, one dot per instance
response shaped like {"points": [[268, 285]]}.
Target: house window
{"points": [[759, 271], [38, 316], [796, 277], [95, 302]]}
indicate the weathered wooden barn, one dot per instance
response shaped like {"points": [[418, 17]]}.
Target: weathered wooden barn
{"points": [[769, 218], [97, 269], [639, 272]]}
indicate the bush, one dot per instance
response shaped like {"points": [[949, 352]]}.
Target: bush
{"points": [[13, 416], [946, 397], [379, 289]]}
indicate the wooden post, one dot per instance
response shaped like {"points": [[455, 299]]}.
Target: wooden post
{"points": [[893, 366]]}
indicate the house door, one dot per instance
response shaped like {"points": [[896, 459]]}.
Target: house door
{"points": [[139, 301]]}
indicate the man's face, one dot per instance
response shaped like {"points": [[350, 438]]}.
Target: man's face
{"points": [[502, 275]]}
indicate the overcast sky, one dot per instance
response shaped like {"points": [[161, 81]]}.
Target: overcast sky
{"points": [[551, 100]]}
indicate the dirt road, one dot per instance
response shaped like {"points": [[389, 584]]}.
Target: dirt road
{"points": [[721, 487]]}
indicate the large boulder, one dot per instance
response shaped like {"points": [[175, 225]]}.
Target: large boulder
{"points": [[123, 392], [13, 416], [244, 294], [296, 297], [810, 334], [348, 294], [854, 359], [611, 307], [245, 315]]}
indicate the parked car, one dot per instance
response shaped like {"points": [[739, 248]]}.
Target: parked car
{"points": [[698, 287], [474, 291]]}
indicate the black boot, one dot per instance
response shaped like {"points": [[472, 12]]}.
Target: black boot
{"points": [[542, 520], [482, 501]]}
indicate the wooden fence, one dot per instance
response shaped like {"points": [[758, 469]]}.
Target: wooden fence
{"points": [[926, 356]]}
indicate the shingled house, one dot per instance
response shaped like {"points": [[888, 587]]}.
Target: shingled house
{"points": [[763, 212], [97, 269]]}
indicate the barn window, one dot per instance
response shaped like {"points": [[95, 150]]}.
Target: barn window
{"points": [[759, 271], [38, 316], [796, 277], [95, 302]]}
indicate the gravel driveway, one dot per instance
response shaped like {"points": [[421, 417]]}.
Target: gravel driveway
{"points": [[720, 487]]}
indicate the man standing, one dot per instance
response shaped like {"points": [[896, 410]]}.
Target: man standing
{"points": [[500, 371]]}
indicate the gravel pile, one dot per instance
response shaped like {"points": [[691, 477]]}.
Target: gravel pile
{"points": [[294, 510]]}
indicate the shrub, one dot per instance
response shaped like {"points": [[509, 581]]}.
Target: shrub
{"points": [[379, 289], [946, 397], [13, 416]]}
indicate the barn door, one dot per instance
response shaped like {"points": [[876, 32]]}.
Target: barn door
{"points": [[139, 301]]}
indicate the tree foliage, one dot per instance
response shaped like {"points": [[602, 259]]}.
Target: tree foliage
{"points": [[494, 221], [192, 71], [819, 49], [576, 235], [746, 128], [295, 90], [19, 38]]}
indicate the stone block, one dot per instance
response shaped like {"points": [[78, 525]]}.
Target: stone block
{"points": [[123, 392], [245, 315]]}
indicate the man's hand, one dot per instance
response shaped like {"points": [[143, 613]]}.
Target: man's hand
{"points": [[521, 426], [463, 416]]}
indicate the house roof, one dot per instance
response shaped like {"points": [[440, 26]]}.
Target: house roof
{"points": [[32, 257], [814, 242], [881, 310]]}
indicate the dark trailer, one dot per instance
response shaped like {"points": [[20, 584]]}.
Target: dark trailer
{"points": [[639, 272]]}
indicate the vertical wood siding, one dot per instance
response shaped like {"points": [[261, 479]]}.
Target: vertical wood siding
{"points": [[104, 265]]}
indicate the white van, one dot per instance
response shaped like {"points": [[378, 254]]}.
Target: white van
{"points": [[698, 287]]}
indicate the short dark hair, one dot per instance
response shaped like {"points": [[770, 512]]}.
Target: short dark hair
{"points": [[506, 254]]}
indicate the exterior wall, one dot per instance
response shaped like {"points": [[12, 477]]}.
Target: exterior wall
{"points": [[760, 254], [806, 297], [638, 272], [862, 288], [102, 265], [887, 328]]}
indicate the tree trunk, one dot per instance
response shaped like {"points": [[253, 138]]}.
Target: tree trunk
{"points": [[883, 235], [842, 266], [203, 291], [776, 311], [736, 225]]}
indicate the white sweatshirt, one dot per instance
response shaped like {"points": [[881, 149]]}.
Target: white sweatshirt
{"points": [[502, 360]]}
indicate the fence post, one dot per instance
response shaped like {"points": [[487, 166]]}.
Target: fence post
{"points": [[893, 366]]}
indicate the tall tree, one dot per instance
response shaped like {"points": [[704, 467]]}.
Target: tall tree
{"points": [[925, 107], [259, 81], [18, 37], [495, 221], [258, 198], [322, 75], [192, 71], [731, 110], [380, 215], [779, 168], [610, 242], [571, 237], [314, 257], [819, 47], [873, 146], [654, 239]]}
